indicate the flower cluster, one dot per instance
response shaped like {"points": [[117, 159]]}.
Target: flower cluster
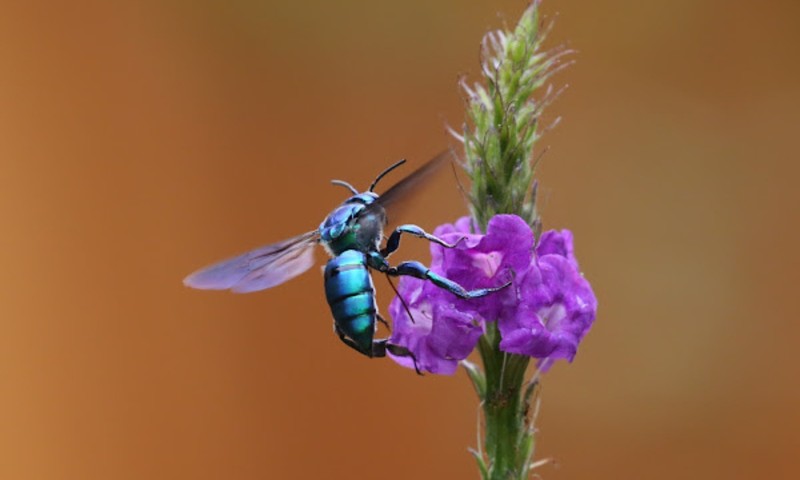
{"points": [[544, 314]]}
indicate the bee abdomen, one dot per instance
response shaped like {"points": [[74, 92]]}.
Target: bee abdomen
{"points": [[351, 296]]}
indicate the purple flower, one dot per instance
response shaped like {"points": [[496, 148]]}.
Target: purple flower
{"points": [[556, 310], [543, 314], [557, 243], [440, 334]]}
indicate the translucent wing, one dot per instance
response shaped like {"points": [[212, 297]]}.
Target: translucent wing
{"points": [[407, 186], [394, 201], [259, 269]]}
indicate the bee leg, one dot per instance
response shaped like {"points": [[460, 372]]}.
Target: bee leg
{"points": [[350, 343], [394, 239], [418, 270], [383, 321], [380, 347]]}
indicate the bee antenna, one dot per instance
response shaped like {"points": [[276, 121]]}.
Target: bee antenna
{"points": [[346, 185], [372, 187]]}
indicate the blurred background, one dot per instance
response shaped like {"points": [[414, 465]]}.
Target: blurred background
{"points": [[142, 140]]}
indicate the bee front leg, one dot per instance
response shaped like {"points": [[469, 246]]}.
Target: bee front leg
{"points": [[394, 239], [418, 270]]}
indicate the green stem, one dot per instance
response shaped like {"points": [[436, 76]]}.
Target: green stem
{"points": [[504, 409], [499, 138]]}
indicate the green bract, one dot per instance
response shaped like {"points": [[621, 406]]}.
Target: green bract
{"points": [[504, 119], [503, 124]]}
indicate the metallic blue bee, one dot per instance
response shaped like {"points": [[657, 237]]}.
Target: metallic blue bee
{"points": [[352, 235]]}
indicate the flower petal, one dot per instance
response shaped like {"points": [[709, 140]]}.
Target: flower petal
{"points": [[554, 242], [557, 309], [544, 314]]}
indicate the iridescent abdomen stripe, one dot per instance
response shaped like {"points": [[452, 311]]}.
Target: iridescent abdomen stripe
{"points": [[351, 296], [361, 303]]}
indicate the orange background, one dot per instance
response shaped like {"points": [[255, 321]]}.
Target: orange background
{"points": [[139, 141]]}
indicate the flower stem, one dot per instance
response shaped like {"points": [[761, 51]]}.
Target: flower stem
{"points": [[504, 124], [505, 409]]}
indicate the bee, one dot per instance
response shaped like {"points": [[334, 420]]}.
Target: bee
{"points": [[351, 234]]}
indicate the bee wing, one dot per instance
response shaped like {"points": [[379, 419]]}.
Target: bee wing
{"points": [[416, 179], [262, 268]]}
